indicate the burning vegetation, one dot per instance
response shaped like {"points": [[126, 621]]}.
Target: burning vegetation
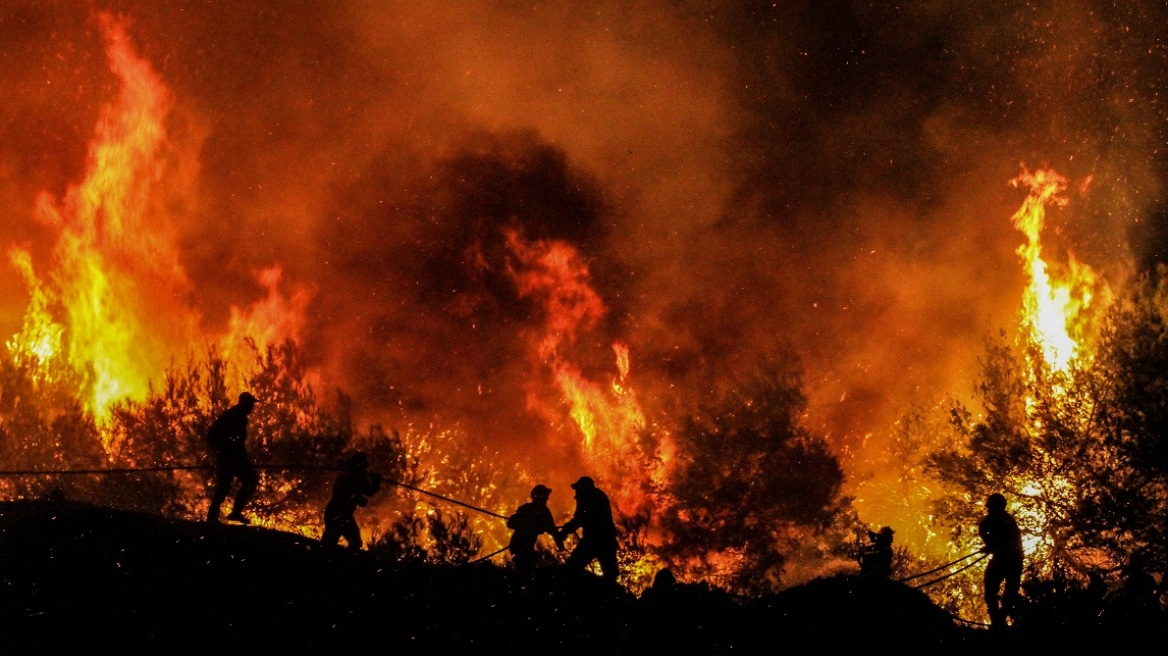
{"points": [[501, 347]]}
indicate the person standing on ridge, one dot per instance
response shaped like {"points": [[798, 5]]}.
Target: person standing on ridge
{"points": [[529, 521], [226, 438], [1003, 541], [352, 489], [594, 515]]}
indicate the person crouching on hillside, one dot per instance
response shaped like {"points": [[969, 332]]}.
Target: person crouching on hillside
{"points": [[352, 489], [530, 521]]}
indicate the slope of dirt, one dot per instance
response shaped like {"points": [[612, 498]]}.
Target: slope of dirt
{"points": [[84, 577]]}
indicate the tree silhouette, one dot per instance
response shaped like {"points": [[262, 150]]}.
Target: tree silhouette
{"points": [[1080, 452], [749, 482], [1132, 493]]}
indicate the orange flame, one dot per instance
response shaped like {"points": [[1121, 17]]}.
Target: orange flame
{"points": [[270, 320], [1057, 309], [1059, 305], [609, 417], [111, 306], [110, 261]]}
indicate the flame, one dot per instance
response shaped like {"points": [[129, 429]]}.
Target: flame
{"points": [[40, 338], [110, 261], [1056, 309], [608, 417], [270, 320], [1060, 306], [552, 272], [110, 306], [107, 305]]}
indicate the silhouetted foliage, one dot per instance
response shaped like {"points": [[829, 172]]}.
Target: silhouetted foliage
{"points": [[293, 436], [1080, 453], [442, 462], [402, 542], [1037, 440], [1132, 491], [44, 427], [749, 482], [453, 541], [167, 430]]}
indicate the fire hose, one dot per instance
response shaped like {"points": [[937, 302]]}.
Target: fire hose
{"points": [[953, 573], [937, 569], [947, 575], [384, 479], [494, 553], [63, 472]]}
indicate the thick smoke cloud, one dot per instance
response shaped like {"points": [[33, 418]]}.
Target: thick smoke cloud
{"points": [[741, 178]]}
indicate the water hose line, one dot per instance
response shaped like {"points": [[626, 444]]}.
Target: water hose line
{"points": [[67, 472], [937, 569], [954, 572]]}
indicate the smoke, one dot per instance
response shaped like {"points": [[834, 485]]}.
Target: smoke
{"points": [[740, 179]]}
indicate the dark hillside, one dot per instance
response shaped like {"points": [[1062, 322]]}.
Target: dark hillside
{"points": [[84, 577]]}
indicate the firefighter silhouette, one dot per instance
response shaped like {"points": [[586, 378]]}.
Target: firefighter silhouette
{"points": [[351, 490], [876, 556], [1003, 541], [227, 439], [531, 520], [593, 515]]}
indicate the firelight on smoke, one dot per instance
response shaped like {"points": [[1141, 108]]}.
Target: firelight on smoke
{"points": [[550, 249], [1057, 308], [111, 303]]}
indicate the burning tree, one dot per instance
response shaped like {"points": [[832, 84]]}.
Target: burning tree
{"points": [[1080, 453], [1129, 511], [1069, 425], [1042, 426], [749, 483], [1037, 440]]}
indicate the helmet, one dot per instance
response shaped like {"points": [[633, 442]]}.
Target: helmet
{"points": [[886, 532], [584, 482], [540, 492], [247, 399], [996, 502]]}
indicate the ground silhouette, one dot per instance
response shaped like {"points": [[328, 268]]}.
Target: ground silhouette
{"points": [[74, 575]]}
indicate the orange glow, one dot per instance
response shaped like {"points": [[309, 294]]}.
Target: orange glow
{"points": [[270, 320], [609, 417], [112, 304], [1056, 307], [1059, 305], [39, 340], [106, 244], [550, 247], [113, 273]]}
